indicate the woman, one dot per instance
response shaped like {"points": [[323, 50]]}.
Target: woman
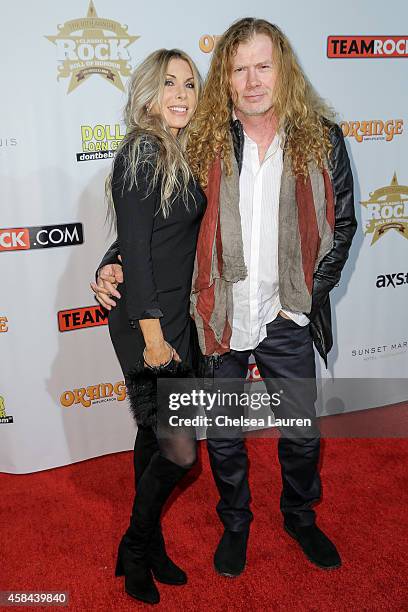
{"points": [[158, 208]]}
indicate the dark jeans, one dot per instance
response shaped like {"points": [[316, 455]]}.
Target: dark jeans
{"points": [[286, 352]]}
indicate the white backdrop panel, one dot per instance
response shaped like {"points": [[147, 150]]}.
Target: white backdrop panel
{"points": [[43, 184]]}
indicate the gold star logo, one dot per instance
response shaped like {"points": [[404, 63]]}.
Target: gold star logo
{"points": [[83, 49], [387, 209]]}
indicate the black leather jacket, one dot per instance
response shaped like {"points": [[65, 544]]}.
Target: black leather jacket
{"points": [[328, 273]]}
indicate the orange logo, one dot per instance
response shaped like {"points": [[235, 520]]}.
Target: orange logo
{"points": [[207, 42], [94, 394], [3, 324], [373, 129]]}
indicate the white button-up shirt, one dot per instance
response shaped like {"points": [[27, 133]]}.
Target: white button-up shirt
{"points": [[256, 298]]}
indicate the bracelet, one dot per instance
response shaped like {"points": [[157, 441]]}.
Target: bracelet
{"points": [[161, 365]]}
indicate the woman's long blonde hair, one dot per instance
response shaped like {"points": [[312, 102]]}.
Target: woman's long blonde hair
{"points": [[149, 140], [300, 111]]}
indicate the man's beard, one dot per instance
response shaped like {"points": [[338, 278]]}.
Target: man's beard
{"points": [[255, 113]]}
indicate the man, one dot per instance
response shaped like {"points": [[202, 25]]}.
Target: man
{"points": [[274, 239]]}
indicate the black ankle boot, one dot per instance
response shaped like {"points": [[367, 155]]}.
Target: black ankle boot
{"points": [[315, 544], [163, 568], [154, 487], [230, 556]]}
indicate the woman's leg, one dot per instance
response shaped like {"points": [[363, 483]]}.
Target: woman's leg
{"points": [[168, 465], [155, 481], [145, 446], [162, 566]]}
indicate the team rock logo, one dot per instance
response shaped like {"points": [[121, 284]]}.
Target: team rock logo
{"points": [[83, 49], [253, 374], [79, 318], [40, 237], [387, 209], [367, 46]]}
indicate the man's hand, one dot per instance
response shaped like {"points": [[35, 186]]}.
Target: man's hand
{"points": [[108, 279]]}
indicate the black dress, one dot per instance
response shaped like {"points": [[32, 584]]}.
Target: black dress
{"points": [[158, 258]]}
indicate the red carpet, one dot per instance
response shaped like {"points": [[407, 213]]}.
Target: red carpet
{"points": [[60, 529]]}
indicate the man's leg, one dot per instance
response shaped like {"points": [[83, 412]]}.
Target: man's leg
{"points": [[229, 464], [287, 352]]}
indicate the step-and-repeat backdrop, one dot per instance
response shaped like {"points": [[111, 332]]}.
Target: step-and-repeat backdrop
{"points": [[64, 74]]}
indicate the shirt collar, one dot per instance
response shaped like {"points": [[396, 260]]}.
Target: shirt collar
{"points": [[278, 139]]}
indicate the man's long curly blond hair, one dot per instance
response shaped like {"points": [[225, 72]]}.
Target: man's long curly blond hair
{"points": [[301, 113]]}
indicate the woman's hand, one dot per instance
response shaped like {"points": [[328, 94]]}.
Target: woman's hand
{"points": [[157, 351], [159, 354]]}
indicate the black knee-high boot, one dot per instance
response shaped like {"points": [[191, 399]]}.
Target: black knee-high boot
{"points": [[163, 568], [154, 487], [146, 445]]}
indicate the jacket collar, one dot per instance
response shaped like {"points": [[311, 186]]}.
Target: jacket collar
{"points": [[238, 139]]}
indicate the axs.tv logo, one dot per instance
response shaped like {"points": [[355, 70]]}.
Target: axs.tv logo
{"points": [[40, 237]]}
